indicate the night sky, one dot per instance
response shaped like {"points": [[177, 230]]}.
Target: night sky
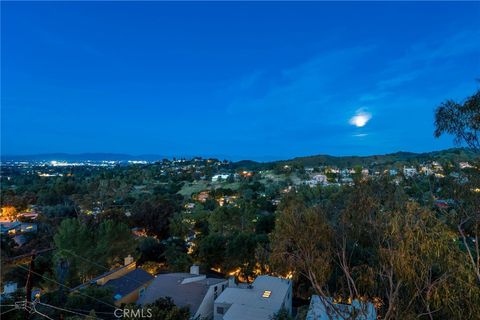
{"points": [[237, 80]]}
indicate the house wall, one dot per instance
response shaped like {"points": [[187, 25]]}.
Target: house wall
{"points": [[129, 298], [206, 307], [287, 302], [132, 296]]}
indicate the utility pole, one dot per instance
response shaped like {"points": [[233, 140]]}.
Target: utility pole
{"points": [[28, 285], [62, 270]]}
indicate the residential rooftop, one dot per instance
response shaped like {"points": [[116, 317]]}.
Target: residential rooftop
{"points": [[127, 283], [260, 300], [185, 289]]}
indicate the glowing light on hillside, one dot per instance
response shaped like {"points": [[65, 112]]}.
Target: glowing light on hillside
{"points": [[360, 119]]}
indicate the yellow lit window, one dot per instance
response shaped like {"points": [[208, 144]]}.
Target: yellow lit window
{"points": [[266, 294]]}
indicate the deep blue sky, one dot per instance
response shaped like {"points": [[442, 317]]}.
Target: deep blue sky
{"points": [[241, 80]]}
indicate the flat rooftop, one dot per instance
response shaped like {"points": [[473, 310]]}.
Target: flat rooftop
{"points": [[259, 301]]}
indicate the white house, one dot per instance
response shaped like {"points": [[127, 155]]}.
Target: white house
{"points": [[326, 309], [320, 178], [218, 177], [192, 290], [426, 170], [465, 165], [260, 300], [409, 172]]}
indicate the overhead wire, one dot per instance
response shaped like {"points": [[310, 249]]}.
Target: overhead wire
{"points": [[60, 284]]}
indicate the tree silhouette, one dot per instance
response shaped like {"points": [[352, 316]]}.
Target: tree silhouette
{"points": [[460, 120]]}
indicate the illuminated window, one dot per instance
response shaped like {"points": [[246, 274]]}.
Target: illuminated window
{"points": [[266, 294]]}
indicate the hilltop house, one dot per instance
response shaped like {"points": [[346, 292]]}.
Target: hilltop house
{"points": [[192, 290], [260, 300], [219, 177], [30, 215], [202, 196], [320, 178], [129, 287], [17, 227], [327, 309], [127, 282], [17, 231], [409, 172], [9, 227], [465, 165]]}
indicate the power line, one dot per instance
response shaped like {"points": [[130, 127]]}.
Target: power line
{"points": [[83, 294], [43, 315], [99, 265], [87, 311], [67, 310], [30, 307], [1, 314], [18, 305], [28, 255]]}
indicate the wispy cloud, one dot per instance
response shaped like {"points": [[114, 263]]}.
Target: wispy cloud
{"points": [[360, 135], [397, 80], [297, 92], [460, 43], [421, 59]]}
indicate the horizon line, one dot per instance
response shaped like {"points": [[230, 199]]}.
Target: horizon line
{"points": [[218, 156]]}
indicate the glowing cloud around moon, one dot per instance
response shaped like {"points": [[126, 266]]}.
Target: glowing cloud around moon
{"points": [[360, 119]]}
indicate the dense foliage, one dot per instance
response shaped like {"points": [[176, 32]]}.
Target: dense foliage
{"points": [[407, 243]]}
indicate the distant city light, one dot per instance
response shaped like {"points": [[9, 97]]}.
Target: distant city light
{"points": [[360, 119]]}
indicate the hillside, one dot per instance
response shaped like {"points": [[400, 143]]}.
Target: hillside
{"points": [[399, 158]]}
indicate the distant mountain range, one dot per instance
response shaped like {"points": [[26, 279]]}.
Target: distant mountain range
{"points": [[454, 154]]}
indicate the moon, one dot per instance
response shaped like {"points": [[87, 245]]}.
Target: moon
{"points": [[360, 119]]}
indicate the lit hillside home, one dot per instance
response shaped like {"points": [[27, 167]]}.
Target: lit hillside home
{"points": [[192, 290], [127, 282], [261, 300], [409, 172]]}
